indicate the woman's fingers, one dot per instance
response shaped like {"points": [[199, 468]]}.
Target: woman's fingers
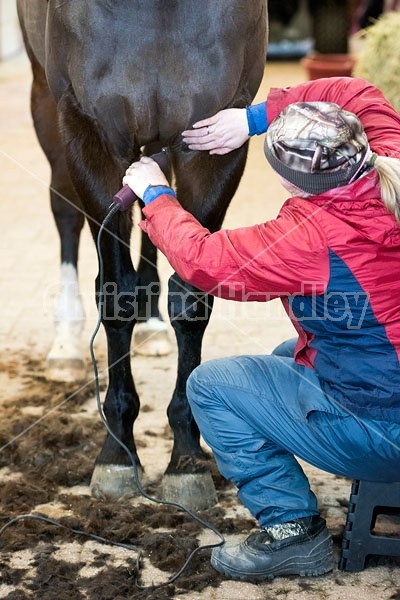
{"points": [[220, 134]]}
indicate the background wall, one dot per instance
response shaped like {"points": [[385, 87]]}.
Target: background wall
{"points": [[10, 36]]}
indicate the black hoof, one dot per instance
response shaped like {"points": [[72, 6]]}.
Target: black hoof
{"points": [[193, 491]]}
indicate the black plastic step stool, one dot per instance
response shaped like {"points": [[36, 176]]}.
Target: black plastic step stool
{"points": [[367, 500]]}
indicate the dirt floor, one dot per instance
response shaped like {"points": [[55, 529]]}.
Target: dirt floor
{"points": [[50, 433]]}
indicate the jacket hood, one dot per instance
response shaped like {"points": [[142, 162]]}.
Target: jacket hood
{"points": [[359, 204]]}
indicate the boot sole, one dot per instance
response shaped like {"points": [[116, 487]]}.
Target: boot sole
{"points": [[309, 559]]}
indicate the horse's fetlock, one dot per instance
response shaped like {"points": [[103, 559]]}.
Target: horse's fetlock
{"points": [[125, 410]]}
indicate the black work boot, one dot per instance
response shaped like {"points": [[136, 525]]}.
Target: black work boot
{"points": [[299, 547]]}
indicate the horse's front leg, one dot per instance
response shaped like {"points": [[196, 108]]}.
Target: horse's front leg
{"points": [[113, 475], [205, 186], [151, 333], [97, 175], [187, 479]]}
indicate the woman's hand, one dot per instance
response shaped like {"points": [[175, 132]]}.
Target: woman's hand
{"points": [[139, 175], [219, 134]]}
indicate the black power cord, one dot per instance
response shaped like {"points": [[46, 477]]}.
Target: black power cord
{"points": [[113, 209]]}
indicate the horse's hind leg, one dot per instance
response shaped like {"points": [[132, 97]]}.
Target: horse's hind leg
{"points": [[205, 186], [150, 337], [151, 332], [65, 361]]}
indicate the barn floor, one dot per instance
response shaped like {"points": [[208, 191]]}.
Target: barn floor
{"points": [[49, 433]]}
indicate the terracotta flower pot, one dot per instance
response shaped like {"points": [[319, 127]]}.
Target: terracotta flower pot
{"points": [[328, 65]]}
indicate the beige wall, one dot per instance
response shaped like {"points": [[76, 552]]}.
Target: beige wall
{"points": [[10, 36]]}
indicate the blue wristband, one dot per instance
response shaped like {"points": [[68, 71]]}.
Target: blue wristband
{"points": [[257, 118], [153, 191]]}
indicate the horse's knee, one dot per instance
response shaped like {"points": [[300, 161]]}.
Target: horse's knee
{"points": [[119, 308]]}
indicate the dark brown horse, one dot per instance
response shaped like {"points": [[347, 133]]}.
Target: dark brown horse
{"points": [[113, 79]]}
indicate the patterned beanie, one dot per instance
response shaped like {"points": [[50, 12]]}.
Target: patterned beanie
{"points": [[317, 146]]}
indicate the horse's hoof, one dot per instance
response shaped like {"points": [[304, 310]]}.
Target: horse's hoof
{"points": [[193, 491], [65, 361], [151, 338], [68, 370], [114, 481]]}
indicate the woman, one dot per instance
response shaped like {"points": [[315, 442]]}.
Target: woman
{"points": [[331, 397]]}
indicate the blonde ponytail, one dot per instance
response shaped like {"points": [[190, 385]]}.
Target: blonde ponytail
{"points": [[389, 176]]}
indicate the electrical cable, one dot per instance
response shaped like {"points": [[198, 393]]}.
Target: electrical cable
{"points": [[113, 209], [46, 519]]}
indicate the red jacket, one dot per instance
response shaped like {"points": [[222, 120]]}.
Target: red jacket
{"points": [[333, 259]]}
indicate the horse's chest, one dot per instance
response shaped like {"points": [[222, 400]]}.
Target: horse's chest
{"points": [[150, 72], [150, 104]]}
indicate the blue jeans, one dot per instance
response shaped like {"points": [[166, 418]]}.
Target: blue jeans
{"points": [[258, 412]]}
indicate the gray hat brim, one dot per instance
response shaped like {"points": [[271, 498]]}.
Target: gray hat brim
{"points": [[313, 183]]}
